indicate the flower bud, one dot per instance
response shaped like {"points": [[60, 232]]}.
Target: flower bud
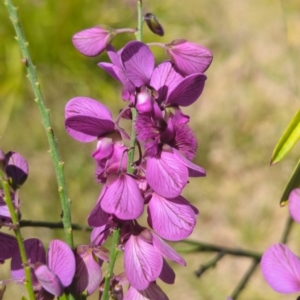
{"points": [[93, 41], [153, 24]]}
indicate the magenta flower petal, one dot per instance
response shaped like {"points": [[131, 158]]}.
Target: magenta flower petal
{"points": [[188, 57], [166, 251], [194, 170], [188, 90], [166, 175], [167, 274], [142, 263], [98, 217], [123, 197], [138, 62], [173, 219], [61, 261], [110, 69], [151, 293], [92, 41], [100, 234], [35, 253], [48, 280], [16, 168], [87, 119], [281, 269], [88, 273], [164, 80], [123, 77], [8, 246], [294, 204]]}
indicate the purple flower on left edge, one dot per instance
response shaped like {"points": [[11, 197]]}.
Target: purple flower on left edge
{"points": [[15, 167], [54, 273]]}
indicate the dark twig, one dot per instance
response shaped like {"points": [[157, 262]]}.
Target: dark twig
{"points": [[287, 230], [203, 247], [52, 225], [242, 284], [211, 264]]}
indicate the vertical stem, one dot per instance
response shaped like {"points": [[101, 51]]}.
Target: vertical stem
{"points": [[58, 164], [14, 218], [116, 235]]}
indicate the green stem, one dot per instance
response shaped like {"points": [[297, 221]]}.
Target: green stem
{"points": [[58, 164], [140, 21], [112, 260], [14, 218]]}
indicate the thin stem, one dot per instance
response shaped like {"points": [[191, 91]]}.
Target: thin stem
{"points": [[14, 218], [242, 284], [211, 264], [287, 230], [114, 251], [139, 32], [58, 164], [52, 225], [203, 247]]}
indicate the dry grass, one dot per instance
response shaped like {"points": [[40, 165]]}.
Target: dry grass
{"points": [[251, 94]]}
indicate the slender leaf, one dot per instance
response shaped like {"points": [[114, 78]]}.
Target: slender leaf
{"points": [[293, 182], [287, 140]]}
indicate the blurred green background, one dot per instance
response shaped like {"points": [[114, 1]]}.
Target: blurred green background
{"points": [[250, 96]]}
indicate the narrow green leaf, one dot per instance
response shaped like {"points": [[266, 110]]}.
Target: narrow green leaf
{"points": [[294, 182], [287, 140]]}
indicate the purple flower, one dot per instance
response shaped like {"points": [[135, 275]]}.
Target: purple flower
{"points": [[93, 41], [88, 274], [294, 204], [281, 269], [53, 276], [143, 259], [16, 169], [5, 218], [188, 57], [8, 246], [173, 219], [153, 292], [133, 66], [121, 197], [168, 174], [87, 119]]}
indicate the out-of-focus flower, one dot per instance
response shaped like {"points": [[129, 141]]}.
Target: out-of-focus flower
{"points": [[281, 269]]}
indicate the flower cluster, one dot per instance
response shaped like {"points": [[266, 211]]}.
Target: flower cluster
{"points": [[153, 97], [15, 169], [279, 265], [49, 275]]}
